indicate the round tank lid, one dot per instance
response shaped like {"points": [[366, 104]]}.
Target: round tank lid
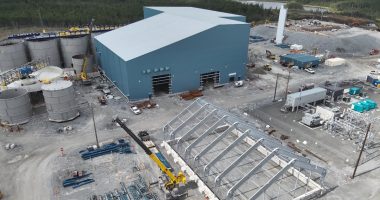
{"points": [[32, 84], [57, 85], [48, 73]]}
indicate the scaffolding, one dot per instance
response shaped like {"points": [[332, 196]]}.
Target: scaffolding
{"points": [[12, 75], [231, 159]]}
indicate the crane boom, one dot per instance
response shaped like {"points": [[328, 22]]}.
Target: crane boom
{"points": [[173, 179], [83, 74]]}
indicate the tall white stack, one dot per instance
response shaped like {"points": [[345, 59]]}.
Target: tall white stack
{"points": [[281, 25]]}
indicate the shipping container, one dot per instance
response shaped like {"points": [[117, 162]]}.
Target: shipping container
{"points": [[365, 105], [305, 97], [370, 79], [334, 92]]}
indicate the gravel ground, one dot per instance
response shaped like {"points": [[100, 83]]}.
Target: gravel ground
{"points": [[344, 42]]}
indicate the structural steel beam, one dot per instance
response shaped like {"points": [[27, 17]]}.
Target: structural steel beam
{"points": [[311, 167], [287, 154], [225, 151], [172, 134], [201, 137], [280, 161], [273, 179], [234, 164], [191, 131], [168, 125], [231, 191], [213, 143]]}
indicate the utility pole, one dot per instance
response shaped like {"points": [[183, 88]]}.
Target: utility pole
{"points": [[361, 151], [287, 85], [96, 133], [275, 89]]}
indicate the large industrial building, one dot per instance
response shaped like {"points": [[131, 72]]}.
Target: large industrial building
{"points": [[174, 49]]}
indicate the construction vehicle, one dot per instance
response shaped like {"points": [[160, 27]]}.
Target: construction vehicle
{"points": [[102, 100], [267, 67], [144, 135], [374, 52], [270, 55], [251, 65], [239, 83], [83, 74], [173, 185]]}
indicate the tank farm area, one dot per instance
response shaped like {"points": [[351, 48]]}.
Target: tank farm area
{"points": [[288, 111]]}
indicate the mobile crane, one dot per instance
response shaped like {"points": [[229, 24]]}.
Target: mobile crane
{"points": [[174, 185], [83, 74]]}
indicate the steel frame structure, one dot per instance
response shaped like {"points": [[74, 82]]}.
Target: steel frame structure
{"points": [[352, 126], [213, 147]]}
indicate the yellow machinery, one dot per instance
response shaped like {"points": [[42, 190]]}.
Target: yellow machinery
{"points": [[270, 55], [174, 180], [83, 73], [267, 67]]}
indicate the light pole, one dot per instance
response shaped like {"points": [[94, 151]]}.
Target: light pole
{"points": [[361, 151], [275, 89], [93, 121]]}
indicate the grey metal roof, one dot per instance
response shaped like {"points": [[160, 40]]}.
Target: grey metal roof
{"points": [[150, 34], [197, 13], [307, 92]]}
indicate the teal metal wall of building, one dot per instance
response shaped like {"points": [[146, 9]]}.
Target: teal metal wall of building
{"points": [[222, 48]]}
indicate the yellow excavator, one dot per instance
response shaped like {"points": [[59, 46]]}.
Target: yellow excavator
{"points": [[174, 185], [270, 55]]}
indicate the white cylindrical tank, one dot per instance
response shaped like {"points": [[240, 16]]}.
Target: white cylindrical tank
{"points": [[45, 49], [12, 54], [60, 101], [15, 106], [71, 46], [78, 60]]}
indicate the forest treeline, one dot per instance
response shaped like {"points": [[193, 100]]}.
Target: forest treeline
{"points": [[64, 13], [354, 8]]}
